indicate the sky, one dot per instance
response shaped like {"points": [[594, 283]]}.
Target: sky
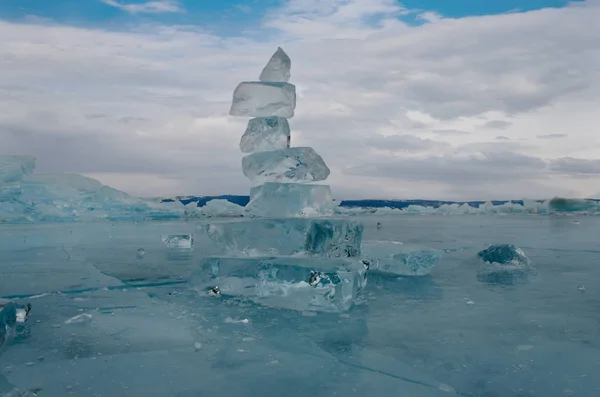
{"points": [[429, 99]]}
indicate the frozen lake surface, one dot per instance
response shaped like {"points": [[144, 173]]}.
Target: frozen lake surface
{"points": [[112, 316]]}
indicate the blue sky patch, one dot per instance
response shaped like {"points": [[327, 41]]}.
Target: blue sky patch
{"points": [[224, 16]]}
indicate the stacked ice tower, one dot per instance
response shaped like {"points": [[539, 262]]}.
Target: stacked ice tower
{"points": [[282, 173], [290, 254]]}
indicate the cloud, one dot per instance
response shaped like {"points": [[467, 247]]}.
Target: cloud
{"points": [[497, 124], [454, 169], [574, 166], [451, 132], [146, 103], [408, 143], [551, 136], [149, 7]]}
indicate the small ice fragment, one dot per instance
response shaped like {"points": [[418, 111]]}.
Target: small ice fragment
{"points": [[504, 264], [229, 320], [23, 313], [523, 348], [197, 346], [446, 388], [307, 313], [79, 319], [470, 302], [581, 288], [278, 68], [178, 240], [314, 279]]}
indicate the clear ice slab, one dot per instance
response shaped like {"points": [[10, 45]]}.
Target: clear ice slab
{"points": [[262, 99], [335, 238], [504, 264], [278, 68], [295, 165], [295, 283], [290, 200], [396, 258], [266, 133]]}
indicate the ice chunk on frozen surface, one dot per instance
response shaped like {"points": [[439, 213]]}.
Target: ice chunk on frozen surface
{"points": [[14, 168], [396, 258], [261, 99], [290, 200], [8, 322], [278, 68], [296, 165], [292, 236], [297, 283], [222, 208], [504, 264], [266, 133]]}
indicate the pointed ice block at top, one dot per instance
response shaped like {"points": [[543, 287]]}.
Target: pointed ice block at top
{"points": [[262, 99], [278, 68], [298, 164], [266, 133]]}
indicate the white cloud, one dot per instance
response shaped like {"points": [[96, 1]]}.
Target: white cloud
{"points": [[146, 109], [149, 7]]}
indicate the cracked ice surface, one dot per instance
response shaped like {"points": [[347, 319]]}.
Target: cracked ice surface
{"points": [[135, 328]]}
